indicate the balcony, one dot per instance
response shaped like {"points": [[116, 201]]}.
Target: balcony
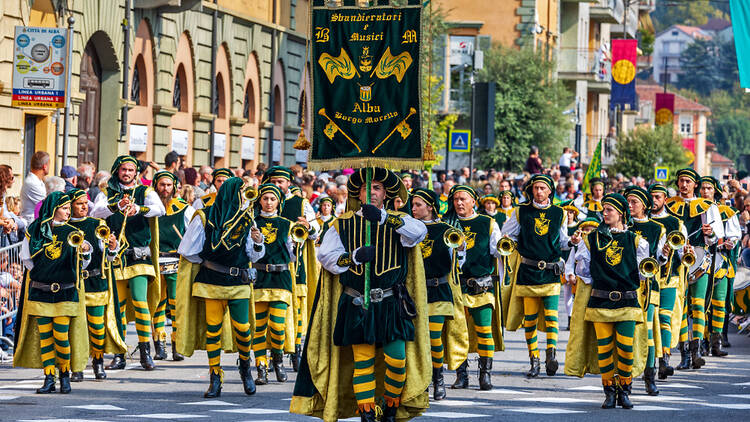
{"points": [[583, 64], [647, 5], [607, 11], [618, 30]]}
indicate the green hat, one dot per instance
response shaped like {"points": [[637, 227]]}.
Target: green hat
{"points": [[688, 172], [568, 205], [39, 232], [326, 199], [490, 197], [427, 195], [543, 178], [406, 175], [596, 181], [658, 187], [225, 172], [226, 214], [114, 191], [588, 222], [294, 189], [278, 171], [391, 182], [76, 194], [619, 203], [713, 182], [270, 188], [640, 194], [450, 216], [168, 174]]}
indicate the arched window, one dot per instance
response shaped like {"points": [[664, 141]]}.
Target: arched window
{"points": [[179, 92], [137, 94], [278, 114], [220, 108], [248, 111]]}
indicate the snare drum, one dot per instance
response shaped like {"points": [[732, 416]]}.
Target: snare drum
{"points": [[168, 265], [702, 264]]}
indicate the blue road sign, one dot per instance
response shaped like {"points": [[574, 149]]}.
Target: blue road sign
{"points": [[460, 141]]}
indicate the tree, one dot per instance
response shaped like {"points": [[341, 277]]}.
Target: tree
{"points": [[731, 134], [699, 63], [639, 150], [683, 12], [529, 107]]}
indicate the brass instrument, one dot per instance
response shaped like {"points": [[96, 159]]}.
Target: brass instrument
{"points": [[676, 240], [299, 232], [102, 233], [75, 239], [453, 238], [648, 268], [506, 246], [688, 259], [250, 193]]}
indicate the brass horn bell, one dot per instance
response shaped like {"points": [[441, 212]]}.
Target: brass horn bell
{"points": [[75, 239], [453, 238], [102, 233], [648, 268], [299, 232], [506, 246]]}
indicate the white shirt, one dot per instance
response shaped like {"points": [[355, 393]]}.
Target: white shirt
{"points": [[582, 259], [512, 229], [565, 159], [663, 213], [712, 217], [151, 200], [331, 248], [32, 192], [194, 237], [25, 253]]}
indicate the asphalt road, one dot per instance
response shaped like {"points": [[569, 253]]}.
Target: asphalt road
{"points": [[174, 391]]}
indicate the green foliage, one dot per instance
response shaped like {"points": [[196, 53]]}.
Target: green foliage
{"points": [[690, 12], [731, 134], [528, 107], [643, 148], [646, 41], [699, 63]]}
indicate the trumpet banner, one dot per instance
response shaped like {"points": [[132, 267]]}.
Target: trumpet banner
{"points": [[366, 87]]}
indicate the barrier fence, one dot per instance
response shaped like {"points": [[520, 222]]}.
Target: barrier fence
{"points": [[11, 275]]}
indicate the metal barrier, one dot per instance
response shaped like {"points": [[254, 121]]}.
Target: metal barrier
{"points": [[11, 276]]}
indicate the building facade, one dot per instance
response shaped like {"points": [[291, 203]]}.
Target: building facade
{"points": [[255, 66]]}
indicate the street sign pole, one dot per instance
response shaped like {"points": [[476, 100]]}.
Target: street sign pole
{"points": [[68, 92]]}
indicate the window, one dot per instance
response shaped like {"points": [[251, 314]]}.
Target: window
{"points": [[248, 110], [219, 108], [277, 111], [675, 33], [137, 94], [686, 125], [176, 93]]}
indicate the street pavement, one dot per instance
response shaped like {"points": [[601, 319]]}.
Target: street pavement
{"points": [[174, 391]]}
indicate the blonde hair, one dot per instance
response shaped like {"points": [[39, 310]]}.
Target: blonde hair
{"points": [[188, 194]]}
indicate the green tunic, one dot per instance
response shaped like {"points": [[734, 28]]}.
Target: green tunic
{"points": [[614, 267], [381, 323], [172, 226], [691, 216], [479, 262], [294, 207], [94, 283], [671, 224], [652, 231], [236, 257], [438, 261], [539, 240], [137, 229], [276, 232], [56, 263]]}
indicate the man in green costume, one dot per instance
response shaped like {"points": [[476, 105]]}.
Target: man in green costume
{"points": [[172, 226], [540, 231], [348, 338], [218, 177], [102, 304], [131, 211], [52, 309]]}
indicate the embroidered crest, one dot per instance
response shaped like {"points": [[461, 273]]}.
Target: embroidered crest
{"points": [[54, 249], [269, 233], [541, 224], [470, 237], [240, 228], [426, 246], [613, 253], [638, 232]]}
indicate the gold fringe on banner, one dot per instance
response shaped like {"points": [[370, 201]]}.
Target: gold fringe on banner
{"points": [[427, 153], [302, 143], [359, 162]]}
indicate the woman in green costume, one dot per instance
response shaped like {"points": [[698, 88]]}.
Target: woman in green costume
{"points": [[52, 311]]}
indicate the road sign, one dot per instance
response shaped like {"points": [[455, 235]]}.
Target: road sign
{"points": [[460, 141], [661, 174], [39, 67]]}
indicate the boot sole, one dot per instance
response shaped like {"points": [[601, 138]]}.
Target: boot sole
{"points": [[552, 368]]}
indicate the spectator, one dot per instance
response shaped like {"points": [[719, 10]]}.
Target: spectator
{"points": [[188, 193], [533, 163], [70, 175], [566, 161], [487, 188], [206, 178], [96, 182], [85, 176], [54, 184], [191, 179], [33, 190], [172, 162], [463, 178], [341, 193], [9, 221]]}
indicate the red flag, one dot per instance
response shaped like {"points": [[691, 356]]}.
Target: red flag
{"points": [[664, 108], [624, 56]]}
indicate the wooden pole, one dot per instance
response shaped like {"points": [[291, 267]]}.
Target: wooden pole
{"points": [[366, 293]]}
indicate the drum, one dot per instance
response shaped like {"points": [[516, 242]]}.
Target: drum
{"points": [[742, 290], [168, 265], [702, 264]]}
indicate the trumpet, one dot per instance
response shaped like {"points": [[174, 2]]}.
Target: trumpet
{"points": [[250, 193], [676, 240], [506, 246], [688, 259], [102, 233], [299, 232], [75, 239], [648, 268], [453, 238]]}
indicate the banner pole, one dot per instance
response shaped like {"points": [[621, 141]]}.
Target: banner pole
{"points": [[66, 122], [366, 293]]}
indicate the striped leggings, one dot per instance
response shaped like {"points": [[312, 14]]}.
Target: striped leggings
{"points": [[667, 298], [482, 317], [137, 289], [167, 305], [531, 307], [607, 334], [95, 319], [270, 318], [239, 312], [54, 342], [364, 374]]}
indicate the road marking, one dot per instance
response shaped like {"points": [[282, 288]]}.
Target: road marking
{"points": [[502, 391], [679, 385], [739, 406], [557, 400], [458, 403], [252, 411], [544, 410], [736, 396], [209, 403], [96, 407], [586, 388], [18, 387], [9, 397], [665, 398], [742, 383], [454, 415], [60, 420], [164, 416], [649, 408]]}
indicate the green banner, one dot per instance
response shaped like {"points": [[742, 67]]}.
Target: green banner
{"points": [[595, 168], [366, 87]]}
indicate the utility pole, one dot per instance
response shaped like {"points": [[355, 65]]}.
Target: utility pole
{"points": [[126, 67], [68, 89]]}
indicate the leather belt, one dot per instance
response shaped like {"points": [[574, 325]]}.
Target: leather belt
{"points": [[543, 265], [376, 295], [85, 274], [139, 252], [478, 284], [51, 287], [271, 268], [434, 282], [614, 296], [169, 255], [244, 273]]}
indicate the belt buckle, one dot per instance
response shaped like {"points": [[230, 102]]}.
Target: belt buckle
{"points": [[541, 265], [376, 295], [615, 296], [54, 287], [357, 301], [84, 274], [234, 271]]}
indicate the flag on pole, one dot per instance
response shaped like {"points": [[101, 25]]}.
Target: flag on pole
{"points": [[664, 106], [740, 11], [595, 167], [624, 56]]}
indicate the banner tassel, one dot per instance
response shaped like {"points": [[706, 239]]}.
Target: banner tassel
{"points": [[428, 154]]}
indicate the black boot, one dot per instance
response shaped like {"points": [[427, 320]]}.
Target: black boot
{"points": [[649, 377], [698, 361], [247, 377], [664, 369], [550, 363], [146, 362], [118, 362], [485, 376], [704, 349], [462, 376], [438, 384], [160, 350], [64, 382], [214, 385], [98, 365], [567, 327], [262, 378], [49, 385], [389, 414], [277, 360], [610, 397], [725, 339], [176, 356], [296, 357], [716, 345], [367, 416], [623, 396], [685, 362], [534, 370], [76, 376]]}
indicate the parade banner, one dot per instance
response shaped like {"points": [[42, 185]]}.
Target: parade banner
{"points": [[366, 87], [624, 56], [664, 108], [595, 168], [740, 12], [40, 65]]}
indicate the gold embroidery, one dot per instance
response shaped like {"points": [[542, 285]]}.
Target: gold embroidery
{"points": [[269, 233], [470, 237], [54, 249], [426, 246], [541, 224], [614, 253]]}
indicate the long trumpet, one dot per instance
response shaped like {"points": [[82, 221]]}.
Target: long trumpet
{"points": [[676, 240], [299, 232], [648, 268], [453, 238], [688, 259], [75, 239], [506, 246], [250, 193], [102, 233]]}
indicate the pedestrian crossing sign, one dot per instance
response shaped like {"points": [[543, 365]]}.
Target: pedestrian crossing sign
{"points": [[661, 174], [460, 141]]}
